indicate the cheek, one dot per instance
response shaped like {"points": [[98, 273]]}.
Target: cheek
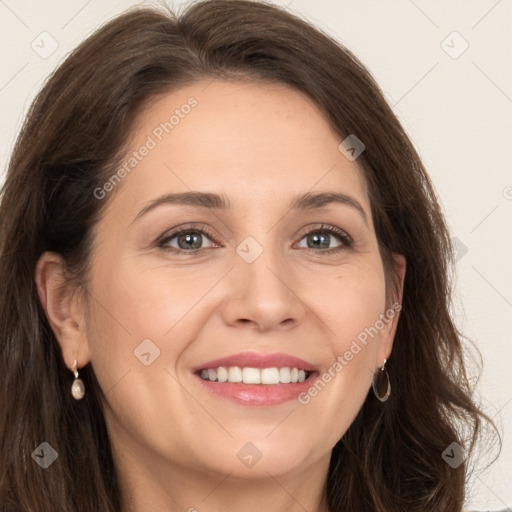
{"points": [[350, 305], [151, 300], [138, 311], [349, 301]]}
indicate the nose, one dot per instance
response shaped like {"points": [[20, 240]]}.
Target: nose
{"points": [[262, 294]]}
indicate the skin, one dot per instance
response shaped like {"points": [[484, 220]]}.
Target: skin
{"points": [[175, 445]]}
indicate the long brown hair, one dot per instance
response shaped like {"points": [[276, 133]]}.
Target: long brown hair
{"points": [[72, 140]]}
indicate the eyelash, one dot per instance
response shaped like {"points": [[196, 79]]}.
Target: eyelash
{"points": [[331, 230]]}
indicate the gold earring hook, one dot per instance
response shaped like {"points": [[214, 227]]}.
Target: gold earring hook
{"points": [[74, 369]]}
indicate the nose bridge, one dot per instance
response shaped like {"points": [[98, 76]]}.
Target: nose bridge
{"points": [[261, 258], [263, 291]]}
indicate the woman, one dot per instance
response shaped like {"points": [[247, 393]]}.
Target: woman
{"points": [[225, 282]]}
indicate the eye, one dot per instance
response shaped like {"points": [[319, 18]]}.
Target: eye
{"points": [[321, 237], [185, 240], [189, 240]]}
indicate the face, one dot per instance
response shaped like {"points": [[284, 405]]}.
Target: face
{"points": [[257, 271]]}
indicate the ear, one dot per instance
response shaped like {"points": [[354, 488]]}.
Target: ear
{"points": [[63, 308], [392, 313]]}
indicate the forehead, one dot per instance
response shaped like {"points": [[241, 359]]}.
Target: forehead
{"points": [[252, 141]]}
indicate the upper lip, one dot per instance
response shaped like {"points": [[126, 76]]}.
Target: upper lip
{"points": [[257, 360]]}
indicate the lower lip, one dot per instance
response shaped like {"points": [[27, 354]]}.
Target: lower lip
{"points": [[258, 394]]}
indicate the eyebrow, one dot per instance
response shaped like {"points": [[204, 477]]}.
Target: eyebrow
{"points": [[308, 201]]}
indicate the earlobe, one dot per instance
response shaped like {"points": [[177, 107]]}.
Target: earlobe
{"points": [[63, 311]]}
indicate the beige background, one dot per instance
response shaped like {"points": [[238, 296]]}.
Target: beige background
{"points": [[455, 106]]}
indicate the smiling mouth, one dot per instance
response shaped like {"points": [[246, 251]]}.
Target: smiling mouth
{"points": [[249, 375]]}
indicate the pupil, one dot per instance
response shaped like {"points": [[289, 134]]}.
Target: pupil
{"points": [[315, 238], [189, 240]]}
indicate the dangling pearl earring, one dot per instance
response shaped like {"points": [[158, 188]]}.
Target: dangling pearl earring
{"points": [[77, 388]]}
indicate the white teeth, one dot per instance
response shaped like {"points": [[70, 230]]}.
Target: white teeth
{"points": [[249, 375], [284, 375], [270, 376], [235, 374], [222, 374]]}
